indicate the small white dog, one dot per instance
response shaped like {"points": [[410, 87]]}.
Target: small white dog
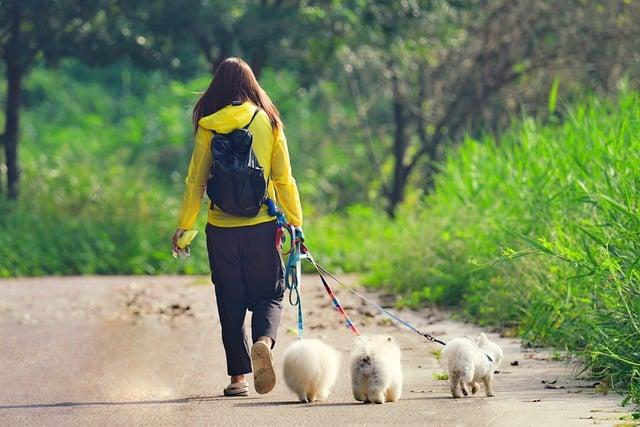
{"points": [[469, 363], [310, 369], [376, 372]]}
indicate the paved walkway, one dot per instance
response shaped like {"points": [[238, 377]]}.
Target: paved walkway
{"points": [[147, 351]]}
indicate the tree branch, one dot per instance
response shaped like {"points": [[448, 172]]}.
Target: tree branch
{"points": [[365, 129]]}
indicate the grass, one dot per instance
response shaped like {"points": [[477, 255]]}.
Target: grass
{"points": [[440, 376], [90, 221], [537, 230]]}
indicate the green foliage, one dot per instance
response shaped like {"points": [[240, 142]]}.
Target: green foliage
{"points": [[440, 376], [553, 95], [540, 231], [127, 152], [84, 220], [350, 242], [118, 111], [101, 196]]}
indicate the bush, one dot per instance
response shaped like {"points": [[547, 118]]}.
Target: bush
{"points": [[78, 218], [537, 230], [540, 229]]}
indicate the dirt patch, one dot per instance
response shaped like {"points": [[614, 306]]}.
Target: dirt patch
{"points": [[138, 301]]}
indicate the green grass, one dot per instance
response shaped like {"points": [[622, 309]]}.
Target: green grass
{"points": [[440, 376], [90, 221], [99, 196], [538, 230]]}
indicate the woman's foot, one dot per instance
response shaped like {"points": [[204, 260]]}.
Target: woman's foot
{"points": [[239, 388], [264, 377]]}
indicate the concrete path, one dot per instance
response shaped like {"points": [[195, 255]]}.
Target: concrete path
{"points": [[147, 351]]}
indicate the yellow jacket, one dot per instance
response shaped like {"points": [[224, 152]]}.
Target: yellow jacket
{"points": [[271, 150]]}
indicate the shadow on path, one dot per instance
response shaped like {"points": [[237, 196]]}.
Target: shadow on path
{"points": [[278, 403], [132, 402], [328, 404]]}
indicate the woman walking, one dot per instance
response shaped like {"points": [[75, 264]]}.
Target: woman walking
{"points": [[246, 267]]}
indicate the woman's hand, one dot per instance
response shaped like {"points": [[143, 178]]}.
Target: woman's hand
{"points": [[179, 232]]}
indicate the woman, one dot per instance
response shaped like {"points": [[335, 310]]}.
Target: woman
{"points": [[246, 267]]}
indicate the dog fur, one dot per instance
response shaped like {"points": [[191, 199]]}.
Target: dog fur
{"points": [[468, 364], [310, 369], [376, 373]]}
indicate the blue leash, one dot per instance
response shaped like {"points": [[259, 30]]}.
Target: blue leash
{"points": [[292, 282], [292, 270]]}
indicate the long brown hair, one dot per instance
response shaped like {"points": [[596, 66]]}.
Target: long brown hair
{"points": [[234, 80]]}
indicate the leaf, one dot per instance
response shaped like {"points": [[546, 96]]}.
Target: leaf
{"points": [[592, 236], [617, 205], [534, 243], [553, 95]]}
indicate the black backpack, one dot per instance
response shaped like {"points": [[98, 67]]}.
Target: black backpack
{"points": [[236, 183]]}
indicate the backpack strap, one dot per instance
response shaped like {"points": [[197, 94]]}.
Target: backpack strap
{"points": [[255, 113]]}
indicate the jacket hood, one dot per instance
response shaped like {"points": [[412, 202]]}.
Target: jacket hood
{"points": [[228, 118]]}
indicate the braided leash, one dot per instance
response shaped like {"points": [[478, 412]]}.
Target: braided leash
{"points": [[292, 279], [322, 270], [348, 322], [292, 269], [299, 251]]}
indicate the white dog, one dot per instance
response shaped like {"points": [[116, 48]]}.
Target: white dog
{"points": [[310, 369], [469, 363], [376, 373]]}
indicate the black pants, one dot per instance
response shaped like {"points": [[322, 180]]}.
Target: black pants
{"points": [[247, 271]]}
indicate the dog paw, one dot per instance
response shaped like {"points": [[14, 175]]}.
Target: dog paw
{"points": [[303, 398], [377, 398]]}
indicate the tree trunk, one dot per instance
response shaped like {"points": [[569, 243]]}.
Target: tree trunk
{"points": [[430, 144], [14, 88], [15, 73], [400, 143], [224, 40], [257, 64]]}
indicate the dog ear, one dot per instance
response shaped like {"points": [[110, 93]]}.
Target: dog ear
{"points": [[482, 339]]}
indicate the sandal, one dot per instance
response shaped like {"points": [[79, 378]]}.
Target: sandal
{"points": [[264, 377], [236, 389]]}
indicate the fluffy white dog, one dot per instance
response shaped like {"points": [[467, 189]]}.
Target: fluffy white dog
{"points": [[376, 372], [469, 363], [310, 369]]}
